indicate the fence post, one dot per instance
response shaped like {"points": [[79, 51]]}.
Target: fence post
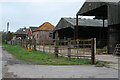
{"points": [[34, 43], [49, 45], [93, 50], [25, 43], [15, 42], [77, 48], [30, 43], [21, 42], [69, 48], [11, 42], [56, 44], [43, 46]]}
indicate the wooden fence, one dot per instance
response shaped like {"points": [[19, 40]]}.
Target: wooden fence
{"points": [[68, 48]]}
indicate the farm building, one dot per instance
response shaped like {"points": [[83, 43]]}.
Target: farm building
{"points": [[88, 28], [42, 32], [20, 33], [106, 10], [31, 29]]}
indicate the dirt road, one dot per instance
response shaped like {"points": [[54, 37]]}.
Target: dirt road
{"points": [[14, 68]]}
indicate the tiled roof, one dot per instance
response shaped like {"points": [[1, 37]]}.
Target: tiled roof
{"points": [[22, 31], [45, 27]]}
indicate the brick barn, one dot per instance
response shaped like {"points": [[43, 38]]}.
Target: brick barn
{"points": [[43, 31]]}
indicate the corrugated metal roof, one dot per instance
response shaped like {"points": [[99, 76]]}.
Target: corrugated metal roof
{"points": [[103, 8], [87, 22], [71, 22]]}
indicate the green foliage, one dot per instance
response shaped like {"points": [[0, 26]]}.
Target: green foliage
{"points": [[7, 36], [43, 58], [0, 44], [100, 63]]}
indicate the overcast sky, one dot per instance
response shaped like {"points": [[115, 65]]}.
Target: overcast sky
{"points": [[26, 13]]}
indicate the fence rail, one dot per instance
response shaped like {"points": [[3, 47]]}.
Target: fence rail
{"points": [[68, 48]]}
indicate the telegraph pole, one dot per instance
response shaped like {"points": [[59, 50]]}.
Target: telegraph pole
{"points": [[7, 26]]}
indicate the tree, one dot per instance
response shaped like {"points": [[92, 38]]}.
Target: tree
{"points": [[7, 36], [99, 17]]}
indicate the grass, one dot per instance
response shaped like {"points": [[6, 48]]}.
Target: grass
{"points": [[0, 44], [102, 53], [45, 58]]}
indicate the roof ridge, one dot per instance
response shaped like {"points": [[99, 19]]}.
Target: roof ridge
{"points": [[68, 21], [42, 26]]}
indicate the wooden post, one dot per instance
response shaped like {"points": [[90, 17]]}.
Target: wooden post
{"points": [[26, 43], [15, 42], [93, 50], [69, 48], [43, 46], [56, 44], [34, 42], [77, 48], [11, 42], [49, 46], [39, 45], [21, 42], [76, 28], [30, 43]]}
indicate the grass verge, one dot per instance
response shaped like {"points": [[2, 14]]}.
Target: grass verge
{"points": [[45, 58], [0, 44]]}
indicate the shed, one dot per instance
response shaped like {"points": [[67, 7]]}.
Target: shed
{"points": [[107, 10], [21, 33], [87, 28]]}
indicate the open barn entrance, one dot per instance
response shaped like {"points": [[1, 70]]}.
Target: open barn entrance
{"points": [[105, 10]]}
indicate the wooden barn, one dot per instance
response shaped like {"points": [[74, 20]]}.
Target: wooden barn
{"points": [[105, 10], [20, 33], [87, 28], [42, 32]]}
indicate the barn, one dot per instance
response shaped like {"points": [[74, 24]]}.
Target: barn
{"points": [[20, 33], [42, 32], [105, 10], [87, 28]]}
